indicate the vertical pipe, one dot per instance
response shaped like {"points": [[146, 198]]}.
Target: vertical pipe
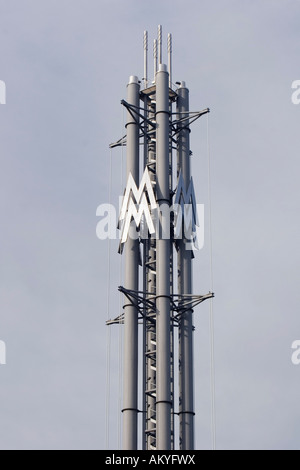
{"points": [[155, 57], [163, 404], [130, 404], [145, 59], [186, 360], [159, 40], [170, 59]]}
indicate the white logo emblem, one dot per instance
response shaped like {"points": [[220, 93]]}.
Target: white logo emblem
{"points": [[135, 205]]}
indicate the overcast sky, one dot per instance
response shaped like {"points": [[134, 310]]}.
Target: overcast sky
{"points": [[66, 64]]}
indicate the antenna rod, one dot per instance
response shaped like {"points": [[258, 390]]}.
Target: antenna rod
{"points": [[170, 58], [155, 57], [145, 59], [159, 44]]}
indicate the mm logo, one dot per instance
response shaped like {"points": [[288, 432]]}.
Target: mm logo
{"points": [[141, 215], [2, 92], [135, 205], [2, 353]]}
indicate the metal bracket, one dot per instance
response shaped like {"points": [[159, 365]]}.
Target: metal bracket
{"points": [[185, 303], [180, 304], [188, 119], [135, 112]]}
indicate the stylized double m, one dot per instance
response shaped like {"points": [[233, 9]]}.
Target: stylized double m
{"points": [[135, 205], [140, 211]]}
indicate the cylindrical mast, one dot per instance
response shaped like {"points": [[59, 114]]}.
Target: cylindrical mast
{"points": [[130, 404], [163, 403], [186, 363]]}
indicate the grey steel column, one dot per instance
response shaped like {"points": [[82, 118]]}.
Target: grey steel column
{"points": [[186, 359], [130, 404], [163, 404]]}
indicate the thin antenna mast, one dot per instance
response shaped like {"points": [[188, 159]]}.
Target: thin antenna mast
{"points": [[155, 57], [145, 59], [170, 59], [159, 40]]}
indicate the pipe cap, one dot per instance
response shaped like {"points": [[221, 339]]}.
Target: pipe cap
{"points": [[133, 79]]}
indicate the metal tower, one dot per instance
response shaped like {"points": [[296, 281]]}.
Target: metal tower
{"points": [[158, 221]]}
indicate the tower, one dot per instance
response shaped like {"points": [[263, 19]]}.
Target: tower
{"points": [[158, 225]]}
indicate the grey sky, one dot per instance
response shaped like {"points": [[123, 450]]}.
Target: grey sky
{"points": [[66, 65]]}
